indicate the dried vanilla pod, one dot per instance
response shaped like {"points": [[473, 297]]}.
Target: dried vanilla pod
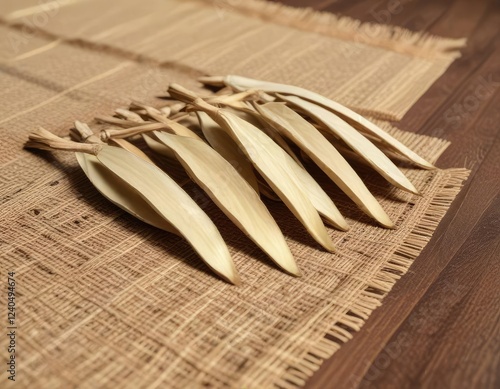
{"points": [[233, 195], [228, 148], [125, 144], [113, 187], [374, 156], [250, 115], [162, 193], [215, 136]]}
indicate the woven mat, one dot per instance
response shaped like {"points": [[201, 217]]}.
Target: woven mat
{"points": [[105, 301]]}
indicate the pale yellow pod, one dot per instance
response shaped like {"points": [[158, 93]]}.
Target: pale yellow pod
{"points": [[120, 193], [158, 147], [233, 195], [158, 190], [319, 199], [174, 204]]}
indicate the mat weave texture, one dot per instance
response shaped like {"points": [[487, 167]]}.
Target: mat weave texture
{"points": [[105, 301]]}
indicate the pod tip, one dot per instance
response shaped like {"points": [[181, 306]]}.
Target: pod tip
{"points": [[293, 270], [235, 279], [330, 247], [411, 188], [385, 221], [339, 224], [390, 226], [297, 274], [425, 165]]}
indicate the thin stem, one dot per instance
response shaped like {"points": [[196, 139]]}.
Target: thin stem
{"points": [[128, 132], [45, 140], [86, 134]]}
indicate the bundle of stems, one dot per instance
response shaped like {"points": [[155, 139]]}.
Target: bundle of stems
{"points": [[236, 145]]}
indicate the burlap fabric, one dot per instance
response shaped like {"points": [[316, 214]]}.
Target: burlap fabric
{"points": [[105, 301]]}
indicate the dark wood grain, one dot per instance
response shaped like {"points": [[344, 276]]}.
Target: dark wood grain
{"points": [[439, 327]]}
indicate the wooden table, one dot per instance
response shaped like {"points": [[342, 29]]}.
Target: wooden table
{"points": [[439, 326]]}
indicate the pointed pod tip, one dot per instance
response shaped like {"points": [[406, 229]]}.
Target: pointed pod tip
{"points": [[383, 219], [339, 224], [298, 273], [292, 269], [330, 247], [227, 271], [234, 278], [344, 227], [389, 225], [237, 281], [411, 188], [425, 165]]}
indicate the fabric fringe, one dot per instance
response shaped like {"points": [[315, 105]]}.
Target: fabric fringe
{"points": [[395, 38], [374, 291]]}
